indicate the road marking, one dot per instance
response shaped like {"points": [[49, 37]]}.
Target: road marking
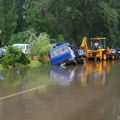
{"points": [[22, 92]]}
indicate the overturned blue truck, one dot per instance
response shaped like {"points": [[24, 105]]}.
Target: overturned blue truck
{"points": [[65, 54]]}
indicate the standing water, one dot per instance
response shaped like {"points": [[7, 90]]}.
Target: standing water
{"points": [[85, 92]]}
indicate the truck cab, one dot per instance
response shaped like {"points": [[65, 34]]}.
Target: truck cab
{"points": [[63, 53]]}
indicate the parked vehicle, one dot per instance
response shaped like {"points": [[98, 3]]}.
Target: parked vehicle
{"points": [[63, 53], [118, 54], [2, 53], [24, 47], [113, 51]]}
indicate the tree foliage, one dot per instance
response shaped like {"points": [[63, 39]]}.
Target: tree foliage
{"points": [[14, 55], [8, 19], [41, 46], [39, 19], [85, 17], [71, 19]]}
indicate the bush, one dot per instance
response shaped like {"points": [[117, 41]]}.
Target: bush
{"points": [[42, 46], [14, 55], [8, 60], [24, 60]]}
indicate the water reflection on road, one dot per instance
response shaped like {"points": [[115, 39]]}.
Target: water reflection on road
{"points": [[62, 76], [90, 72], [82, 92]]}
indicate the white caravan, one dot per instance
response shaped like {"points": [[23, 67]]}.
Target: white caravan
{"points": [[24, 47]]}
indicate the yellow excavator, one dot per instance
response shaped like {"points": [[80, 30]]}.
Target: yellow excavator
{"points": [[98, 48]]}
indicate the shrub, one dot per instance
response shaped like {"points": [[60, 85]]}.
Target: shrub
{"points": [[24, 60], [14, 55], [8, 60]]}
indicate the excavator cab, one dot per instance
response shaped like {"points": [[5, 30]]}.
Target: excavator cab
{"points": [[98, 43]]}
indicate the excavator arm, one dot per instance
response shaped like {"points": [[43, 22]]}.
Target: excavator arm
{"points": [[84, 44]]}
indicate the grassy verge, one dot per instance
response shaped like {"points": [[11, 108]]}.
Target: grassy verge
{"points": [[34, 63], [1, 67]]}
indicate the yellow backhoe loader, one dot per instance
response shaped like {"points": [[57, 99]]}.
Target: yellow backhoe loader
{"points": [[98, 48]]}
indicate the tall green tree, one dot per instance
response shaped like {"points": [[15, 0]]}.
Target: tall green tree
{"points": [[84, 17], [8, 19], [39, 18], [115, 4], [22, 6]]}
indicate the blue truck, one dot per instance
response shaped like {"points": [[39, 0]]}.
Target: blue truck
{"points": [[64, 53]]}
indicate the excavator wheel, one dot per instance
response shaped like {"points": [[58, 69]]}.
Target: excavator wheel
{"points": [[113, 57], [104, 56]]}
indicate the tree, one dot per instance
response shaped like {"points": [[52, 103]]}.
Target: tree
{"points": [[41, 46], [8, 19], [28, 36], [22, 6], [39, 18], [84, 17]]}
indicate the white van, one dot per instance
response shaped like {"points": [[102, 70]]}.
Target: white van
{"points": [[24, 47]]}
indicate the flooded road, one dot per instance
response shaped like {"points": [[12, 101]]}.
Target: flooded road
{"points": [[83, 92]]}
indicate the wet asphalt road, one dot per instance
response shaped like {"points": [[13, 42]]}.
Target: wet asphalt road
{"points": [[83, 92]]}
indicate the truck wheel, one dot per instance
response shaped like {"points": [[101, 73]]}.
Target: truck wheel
{"points": [[104, 56]]}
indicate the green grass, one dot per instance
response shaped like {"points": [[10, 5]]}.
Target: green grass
{"points": [[34, 63], [1, 67]]}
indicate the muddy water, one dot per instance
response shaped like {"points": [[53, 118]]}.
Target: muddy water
{"points": [[83, 92]]}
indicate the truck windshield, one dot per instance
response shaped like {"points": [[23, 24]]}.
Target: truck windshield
{"points": [[58, 51]]}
